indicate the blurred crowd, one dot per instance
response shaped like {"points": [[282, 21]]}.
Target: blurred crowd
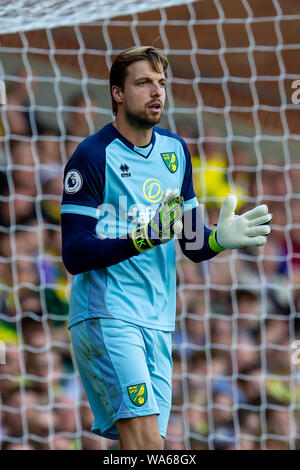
{"points": [[235, 385]]}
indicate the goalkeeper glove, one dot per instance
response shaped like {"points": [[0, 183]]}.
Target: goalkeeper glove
{"points": [[163, 225], [234, 231]]}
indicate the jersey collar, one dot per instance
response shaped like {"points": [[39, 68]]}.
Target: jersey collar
{"points": [[142, 151]]}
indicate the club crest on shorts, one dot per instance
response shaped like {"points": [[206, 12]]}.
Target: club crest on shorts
{"points": [[138, 394], [73, 182], [171, 161]]}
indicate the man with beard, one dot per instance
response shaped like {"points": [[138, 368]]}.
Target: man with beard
{"points": [[127, 190]]}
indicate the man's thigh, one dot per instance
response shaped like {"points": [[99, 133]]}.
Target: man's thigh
{"points": [[159, 361], [112, 361]]}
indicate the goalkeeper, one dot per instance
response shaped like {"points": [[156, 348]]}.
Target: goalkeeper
{"points": [[127, 190]]}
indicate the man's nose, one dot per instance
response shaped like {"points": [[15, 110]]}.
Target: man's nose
{"points": [[156, 89]]}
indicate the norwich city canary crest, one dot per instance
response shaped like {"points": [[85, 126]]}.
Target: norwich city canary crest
{"points": [[171, 161], [138, 394]]}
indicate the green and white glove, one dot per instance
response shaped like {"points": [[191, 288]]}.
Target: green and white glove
{"points": [[238, 231], [165, 223]]}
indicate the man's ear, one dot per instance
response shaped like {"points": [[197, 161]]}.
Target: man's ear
{"points": [[117, 94]]}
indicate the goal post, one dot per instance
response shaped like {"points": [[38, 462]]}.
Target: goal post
{"points": [[233, 93]]}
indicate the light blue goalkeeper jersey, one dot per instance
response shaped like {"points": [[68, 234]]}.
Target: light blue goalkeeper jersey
{"points": [[121, 186]]}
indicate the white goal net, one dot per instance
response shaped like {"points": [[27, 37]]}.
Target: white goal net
{"points": [[233, 95]]}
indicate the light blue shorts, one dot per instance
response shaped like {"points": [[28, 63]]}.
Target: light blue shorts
{"points": [[126, 371]]}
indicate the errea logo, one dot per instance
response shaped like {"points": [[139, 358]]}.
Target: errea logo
{"points": [[125, 170]]}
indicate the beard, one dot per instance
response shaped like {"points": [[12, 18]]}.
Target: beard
{"points": [[141, 120]]}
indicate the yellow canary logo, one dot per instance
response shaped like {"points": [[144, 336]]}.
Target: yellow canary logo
{"points": [[138, 394], [171, 161], [152, 190]]}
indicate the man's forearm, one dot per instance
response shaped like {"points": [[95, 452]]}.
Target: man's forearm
{"points": [[83, 251], [198, 254], [194, 240]]}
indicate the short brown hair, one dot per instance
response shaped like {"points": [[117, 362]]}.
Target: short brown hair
{"points": [[118, 71]]}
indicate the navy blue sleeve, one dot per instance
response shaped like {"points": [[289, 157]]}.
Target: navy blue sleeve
{"points": [[187, 188], [84, 178], [194, 237], [83, 251], [84, 181]]}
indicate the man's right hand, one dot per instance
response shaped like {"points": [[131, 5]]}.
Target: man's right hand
{"points": [[163, 225]]}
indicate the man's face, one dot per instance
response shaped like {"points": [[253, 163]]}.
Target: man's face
{"points": [[144, 95]]}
